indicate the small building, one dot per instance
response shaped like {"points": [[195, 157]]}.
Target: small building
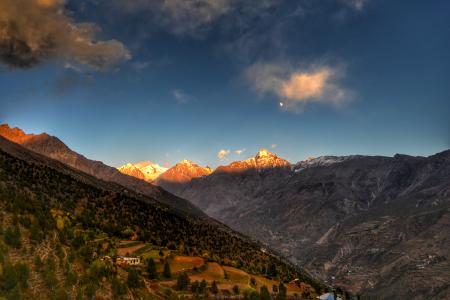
{"points": [[328, 296], [128, 261]]}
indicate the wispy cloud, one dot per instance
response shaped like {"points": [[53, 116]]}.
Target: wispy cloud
{"points": [[358, 5], [295, 87], [33, 31], [193, 17], [239, 151], [222, 154], [140, 65], [181, 97], [273, 146]]}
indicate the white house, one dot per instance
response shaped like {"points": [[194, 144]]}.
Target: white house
{"points": [[328, 296], [132, 261]]}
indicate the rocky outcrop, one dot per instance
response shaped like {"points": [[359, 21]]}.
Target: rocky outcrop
{"points": [[261, 161], [182, 173]]}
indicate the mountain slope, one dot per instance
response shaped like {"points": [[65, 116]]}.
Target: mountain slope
{"points": [[377, 225], [131, 170], [52, 147], [58, 213], [183, 172]]}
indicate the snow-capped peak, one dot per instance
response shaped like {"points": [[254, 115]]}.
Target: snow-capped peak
{"points": [[322, 161], [264, 153], [145, 170], [182, 172], [264, 159], [186, 162]]}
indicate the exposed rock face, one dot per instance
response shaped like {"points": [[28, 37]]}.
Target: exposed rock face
{"points": [[132, 170], [183, 172], [262, 160], [52, 147], [377, 225], [322, 161], [145, 170]]}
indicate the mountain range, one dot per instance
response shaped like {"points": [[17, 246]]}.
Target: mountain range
{"points": [[374, 225], [54, 148], [60, 227]]}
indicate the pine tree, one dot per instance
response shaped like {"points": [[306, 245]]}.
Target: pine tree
{"points": [[133, 280], [12, 237], [264, 293], [195, 287], [166, 271], [282, 292], [183, 281], [151, 269], [275, 288], [214, 288], [10, 277], [203, 286], [236, 290], [272, 270], [119, 288]]}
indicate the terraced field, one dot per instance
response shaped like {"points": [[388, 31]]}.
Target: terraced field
{"points": [[128, 250], [185, 263], [213, 271], [226, 277]]}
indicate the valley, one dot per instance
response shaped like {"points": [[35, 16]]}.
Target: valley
{"points": [[369, 225], [224, 150]]}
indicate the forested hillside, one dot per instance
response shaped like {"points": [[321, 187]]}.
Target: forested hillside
{"points": [[55, 227]]}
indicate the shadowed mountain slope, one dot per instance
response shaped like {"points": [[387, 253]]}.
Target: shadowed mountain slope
{"points": [[35, 187], [376, 225], [53, 147]]}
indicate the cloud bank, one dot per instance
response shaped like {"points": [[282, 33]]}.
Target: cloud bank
{"points": [[296, 87], [33, 31], [222, 153]]}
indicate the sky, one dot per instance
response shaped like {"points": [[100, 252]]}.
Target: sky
{"points": [[215, 80]]}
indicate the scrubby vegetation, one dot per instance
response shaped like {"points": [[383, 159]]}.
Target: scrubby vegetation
{"points": [[55, 230]]}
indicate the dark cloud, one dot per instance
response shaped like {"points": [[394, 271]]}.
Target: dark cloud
{"points": [[33, 31]]}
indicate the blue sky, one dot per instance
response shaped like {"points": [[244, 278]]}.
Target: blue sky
{"points": [[191, 78]]}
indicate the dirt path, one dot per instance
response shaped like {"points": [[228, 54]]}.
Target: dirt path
{"points": [[129, 250]]}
